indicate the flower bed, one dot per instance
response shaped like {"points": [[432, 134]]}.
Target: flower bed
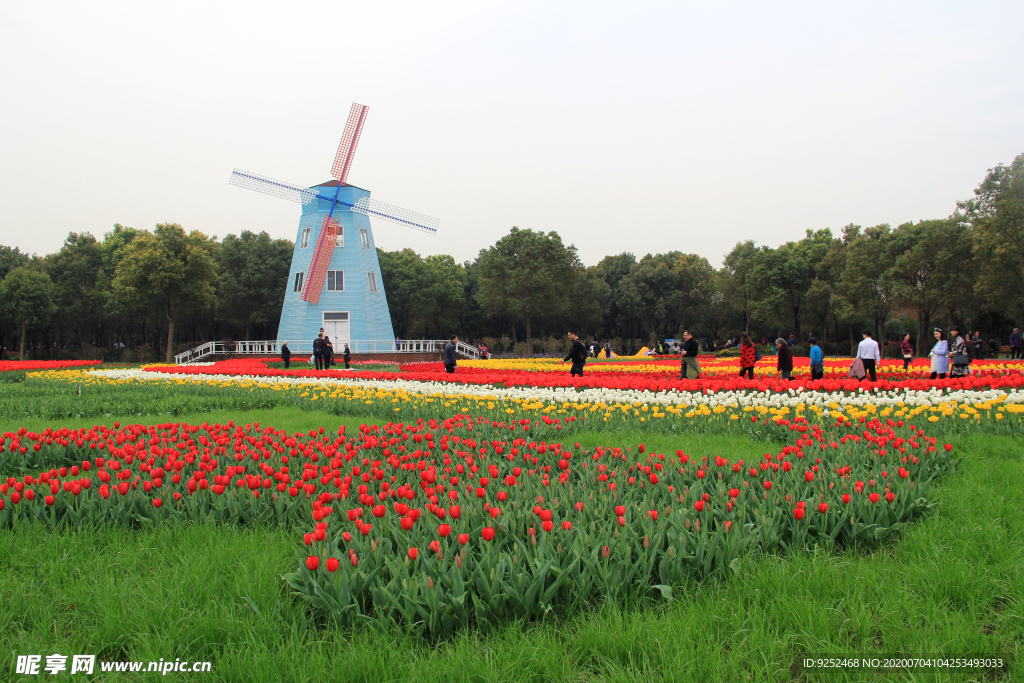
{"points": [[443, 524], [723, 376], [998, 410], [7, 365]]}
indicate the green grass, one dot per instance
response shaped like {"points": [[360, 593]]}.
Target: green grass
{"points": [[289, 418], [951, 585]]}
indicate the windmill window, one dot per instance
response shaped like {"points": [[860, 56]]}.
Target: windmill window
{"points": [[298, 282], [371, 279], [335, 281], [364, 237], [339, 241], [305, 238]]}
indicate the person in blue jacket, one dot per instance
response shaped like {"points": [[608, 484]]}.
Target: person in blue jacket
{"points": [[940, 355], [817, 360]]}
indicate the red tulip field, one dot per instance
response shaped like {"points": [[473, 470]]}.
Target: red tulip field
{"points": [[458, 522]]}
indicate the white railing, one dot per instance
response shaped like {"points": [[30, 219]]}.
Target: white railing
{"points": [[356, 346]]}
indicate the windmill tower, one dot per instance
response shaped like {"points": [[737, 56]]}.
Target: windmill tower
{"points": [[335, 281]]}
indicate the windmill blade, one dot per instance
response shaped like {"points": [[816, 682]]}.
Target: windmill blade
{"points": [[276, 188], [397, 214], [349, 140], [321, 260]]}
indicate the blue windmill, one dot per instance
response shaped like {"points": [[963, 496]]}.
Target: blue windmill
{"points": [[334, 285]]}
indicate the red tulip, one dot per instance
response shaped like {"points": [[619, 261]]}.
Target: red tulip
{"points": [[463, 539], [798, 513], [415, 552], [873, 497], [312, 563], [566, 525], [487, 533], [332, 564]]}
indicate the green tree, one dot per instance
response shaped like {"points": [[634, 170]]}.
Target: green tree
{"points": [[444, 295], [868, 280], [121, 316], [589, 301], [406, 278], [526, 274], [930, 270], [737, 286], [253, 275], [613, 269], [11, 258], [75, 272], [168, 270], [997, 214], [782, 277], [27, 298], [693, 283], [648, 294]]}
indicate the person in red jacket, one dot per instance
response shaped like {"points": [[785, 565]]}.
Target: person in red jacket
{"points": [[748, 355]]}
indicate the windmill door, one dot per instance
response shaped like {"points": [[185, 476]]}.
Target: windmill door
{"points": [[336, 327]]}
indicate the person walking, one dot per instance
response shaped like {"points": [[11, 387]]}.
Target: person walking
{"points": [[785, 358], [449, 354], [959, 359], [817, 359], [328, 352], [577, 354], [907, 349], [1015, 344], [607, 349], [286, 354], [347, 357], [690, 367], [939, 355], [868, 353], [318, 350], [748, 356]]}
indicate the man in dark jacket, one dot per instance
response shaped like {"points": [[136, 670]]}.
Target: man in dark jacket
{"points": [[690, 365], [286, 354], [449, 354], [318, 350], [577, 354]]}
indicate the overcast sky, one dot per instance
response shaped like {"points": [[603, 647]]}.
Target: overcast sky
{"points": [[640, 127]]}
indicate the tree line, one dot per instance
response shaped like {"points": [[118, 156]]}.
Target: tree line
{"points": [[139, 293]]}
